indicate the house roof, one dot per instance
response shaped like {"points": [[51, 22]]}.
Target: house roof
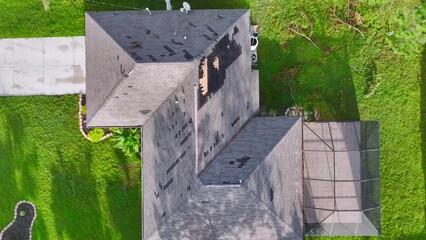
{"points": [[224, 208], [248, 149], [166, 36], [161, 52], [224, 212]]}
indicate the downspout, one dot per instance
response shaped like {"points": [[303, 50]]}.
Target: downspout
{"points": [[196, 128]]}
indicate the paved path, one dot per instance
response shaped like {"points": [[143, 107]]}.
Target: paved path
{"points": [[42, 66]]}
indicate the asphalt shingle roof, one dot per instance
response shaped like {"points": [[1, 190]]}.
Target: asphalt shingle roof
{"points": [[224, 212], [166, 36], [247, 150]]}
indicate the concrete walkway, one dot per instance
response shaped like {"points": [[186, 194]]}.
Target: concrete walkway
{"points": [[42, 66]]}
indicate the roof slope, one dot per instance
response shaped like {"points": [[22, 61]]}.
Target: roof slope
{"points": [[141, 93], [247, 150], [223, 212], [166, 36], [136, 60], [228, 209]]}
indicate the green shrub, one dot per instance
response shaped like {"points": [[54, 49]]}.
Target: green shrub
{"points": [[410, 39], [127, 139], [83, 110], [96, 134]]}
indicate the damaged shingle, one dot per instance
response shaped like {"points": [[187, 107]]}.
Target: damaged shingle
{"points": [[177, 43], [152, 58], [187, 55]]}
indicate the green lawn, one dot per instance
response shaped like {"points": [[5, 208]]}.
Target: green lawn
{"points": [[82, 190], [44, 159]]}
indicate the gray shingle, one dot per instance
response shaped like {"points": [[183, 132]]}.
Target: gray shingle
{"points": [[224, 212], [247, 150], [136, 60], [166, 35]]}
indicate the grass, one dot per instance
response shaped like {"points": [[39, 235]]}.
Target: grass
{"points": [[30, 19], [348, 78], [82, 190]]}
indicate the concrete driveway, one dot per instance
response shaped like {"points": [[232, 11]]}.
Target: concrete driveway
{"points": [[42, 66]]}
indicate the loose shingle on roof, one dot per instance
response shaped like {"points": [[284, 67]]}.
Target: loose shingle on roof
{"points": [[176, 35], [122, 47], [247, 150]]}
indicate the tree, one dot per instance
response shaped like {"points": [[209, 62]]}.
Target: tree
{"points": [[412, 37], [127, 139]]}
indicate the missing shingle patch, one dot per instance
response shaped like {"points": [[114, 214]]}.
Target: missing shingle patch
{"points": [[177, 43], [168, 49], [152, 58], [168, 184], [242, 161], [223, 55], [211, 30], [135, 44], [235, 121], [187, 55], [207, 37], [145, 112], [236, 30]]}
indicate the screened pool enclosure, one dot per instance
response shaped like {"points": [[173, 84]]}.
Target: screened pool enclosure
{"points": [[341, 178]]}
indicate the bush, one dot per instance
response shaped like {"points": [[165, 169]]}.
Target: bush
{"points": [[128, 140], [96, 134], [83, 110], [411, 38]]}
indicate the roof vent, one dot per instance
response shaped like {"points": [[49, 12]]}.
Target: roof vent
{"points": [[147, 9]]}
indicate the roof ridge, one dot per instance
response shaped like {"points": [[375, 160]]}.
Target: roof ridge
{"points": [[270, 209], [109, 97], [291, 128]]}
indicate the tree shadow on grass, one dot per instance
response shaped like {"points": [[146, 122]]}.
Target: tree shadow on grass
{"points": [[320, 79], [75, 202], [124, 197], [125, 214], [18, 167]]}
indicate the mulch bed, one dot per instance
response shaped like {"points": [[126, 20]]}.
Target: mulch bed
{"points": [[20, 228], [84, 130]]}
